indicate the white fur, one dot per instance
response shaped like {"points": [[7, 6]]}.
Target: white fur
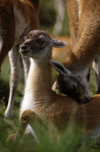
{"points": [[20, 28], [19, 24], [28, 99]]}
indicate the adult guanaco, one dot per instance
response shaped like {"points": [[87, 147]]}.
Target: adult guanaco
{"points": [[17, 18]]}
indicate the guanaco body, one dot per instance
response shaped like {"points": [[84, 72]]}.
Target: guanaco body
{"points": [[84, 19], [17, 18]]}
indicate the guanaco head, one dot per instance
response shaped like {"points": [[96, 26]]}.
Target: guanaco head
{"points": [[38, 43], [70, 84]]}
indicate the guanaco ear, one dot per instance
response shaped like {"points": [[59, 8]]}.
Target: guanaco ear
{"points": [[57, 43], [59, 67]]}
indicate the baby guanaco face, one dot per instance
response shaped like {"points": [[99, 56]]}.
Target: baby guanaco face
{"points": [[71, 85], [38, 43], [34, 43]]}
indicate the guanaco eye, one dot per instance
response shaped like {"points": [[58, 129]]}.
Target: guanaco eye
{"points": [[73, 88], [40, 41], [29, 36]]}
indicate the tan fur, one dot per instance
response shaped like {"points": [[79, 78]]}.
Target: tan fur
{"points": [[60, 108], [85, 29], [7, 21], [58, 111], [7, 28]]}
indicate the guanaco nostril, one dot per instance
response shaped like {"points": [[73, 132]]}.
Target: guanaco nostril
{"points": [[87, 99], [24, 47], [83, 100]]}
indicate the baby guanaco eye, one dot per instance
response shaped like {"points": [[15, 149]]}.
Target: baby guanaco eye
{"points": [[40, 41], [29, 36], [74, 88]]}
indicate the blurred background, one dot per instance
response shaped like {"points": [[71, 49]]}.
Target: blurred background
{"points": [[53, 17]]}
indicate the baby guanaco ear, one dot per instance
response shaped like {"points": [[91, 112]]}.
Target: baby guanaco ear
{"points": [[59, 67], [57, 43]]}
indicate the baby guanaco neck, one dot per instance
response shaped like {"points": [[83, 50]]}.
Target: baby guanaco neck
{"points": [[39, 79]]}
